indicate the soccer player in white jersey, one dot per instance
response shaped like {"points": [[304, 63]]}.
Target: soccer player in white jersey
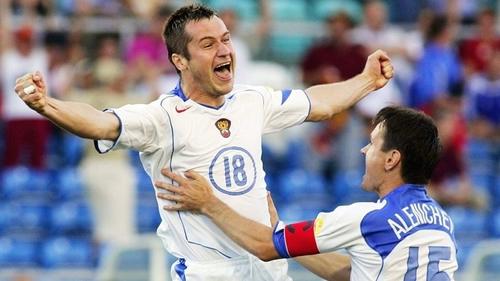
{"points": [[207, 125], [404, 236]]}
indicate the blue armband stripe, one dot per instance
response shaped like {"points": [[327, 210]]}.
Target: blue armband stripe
{"points": [[279, 242]]}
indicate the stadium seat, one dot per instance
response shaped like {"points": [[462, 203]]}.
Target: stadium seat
{"points": [[18, 252], [298, 184], [144, 186], [65, 252], [468, 223], [247, 9], [479, 155], [347, 188], [495, 191], [21, 183], [5, 217], [72, 150], [464, 246], [288, 49], [68, 184], [64, 150], [147, 216], [495, 223], [133, 260], [492, 265], [296, 154], [23, 217], [285, 10], [301, 210], [72, 217], [482, 182], [324, 8], [135, 159]]}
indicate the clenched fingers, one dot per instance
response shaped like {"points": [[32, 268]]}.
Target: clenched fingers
{"points": [[387, 69]]}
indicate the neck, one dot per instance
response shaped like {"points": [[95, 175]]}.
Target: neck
{"points": [[197, 94], [389, 186]]}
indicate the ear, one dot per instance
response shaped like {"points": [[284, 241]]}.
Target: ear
{"points": [[392, 160], [180, 62]]}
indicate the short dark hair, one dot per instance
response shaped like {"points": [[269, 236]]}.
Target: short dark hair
{"points": [[436, 27], [415, 136], [174, 34]]}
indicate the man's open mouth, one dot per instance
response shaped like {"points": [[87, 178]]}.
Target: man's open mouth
{"points": [[223, 71]]}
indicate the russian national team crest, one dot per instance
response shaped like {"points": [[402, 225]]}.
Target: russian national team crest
{"points": [[224, 125]]}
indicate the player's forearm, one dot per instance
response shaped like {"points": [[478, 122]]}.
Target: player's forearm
{"points": [[81, 119], [329, 99], [329, 266], [252, 236]]}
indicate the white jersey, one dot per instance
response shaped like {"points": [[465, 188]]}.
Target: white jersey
{"points": [[405, 236], [222, 144]]}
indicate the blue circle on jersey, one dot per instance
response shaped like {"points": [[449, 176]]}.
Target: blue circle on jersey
{"points": [[232, 171]]}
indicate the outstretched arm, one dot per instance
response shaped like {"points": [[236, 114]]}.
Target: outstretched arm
{"points": [[195, 194], [329, 99], [329, 266], [77, 118]]}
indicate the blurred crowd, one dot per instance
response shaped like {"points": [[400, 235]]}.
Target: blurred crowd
{"points": [[110, 53]]}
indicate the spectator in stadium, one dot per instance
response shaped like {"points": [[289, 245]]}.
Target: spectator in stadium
{"points": [[476, 51], [376, 32], [386, 240], [26, 133], [450, 184], [331, 60], [482, 96], [335, 58], [438, 73], [147, 59], [207, 124], [109, 181], [482, 99], [438, 81], [242, 50]]}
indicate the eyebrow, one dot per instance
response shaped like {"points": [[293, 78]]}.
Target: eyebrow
{"points": [[212, 37]]}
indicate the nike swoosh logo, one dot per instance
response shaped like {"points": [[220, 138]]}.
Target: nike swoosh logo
{"points": [[181, 109]]}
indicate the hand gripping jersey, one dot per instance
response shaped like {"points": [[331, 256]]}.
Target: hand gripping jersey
{"points": [[405, 236], [222, 144]]}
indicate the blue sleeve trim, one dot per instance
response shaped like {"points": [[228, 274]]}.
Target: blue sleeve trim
{"points": [[285, 94], [279, 241], [120, 124]]}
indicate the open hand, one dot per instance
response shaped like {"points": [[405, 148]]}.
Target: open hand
{"points": [[192, 193]]}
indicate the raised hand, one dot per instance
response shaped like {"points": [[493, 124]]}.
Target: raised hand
{"points": [[379, 68], [32, 89]]}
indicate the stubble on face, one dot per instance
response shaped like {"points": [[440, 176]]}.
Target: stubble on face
{"points": [[374, 161], [211, 66]]}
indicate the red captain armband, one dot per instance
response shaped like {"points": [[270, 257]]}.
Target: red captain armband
{"points": [[300, 240]]}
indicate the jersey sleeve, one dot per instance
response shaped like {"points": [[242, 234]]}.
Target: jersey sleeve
{"points": [[284, 108], [142, 128], [329, 232]]}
